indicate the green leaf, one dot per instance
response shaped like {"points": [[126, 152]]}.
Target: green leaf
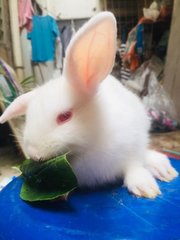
{"points": [[27, 80], [47, 180]]}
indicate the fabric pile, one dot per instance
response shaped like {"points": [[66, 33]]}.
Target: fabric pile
{"points": [[8, 84], [161, 121], [147, 38]]}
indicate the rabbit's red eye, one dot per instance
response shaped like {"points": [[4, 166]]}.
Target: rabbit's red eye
{"points": [[64, 117]]}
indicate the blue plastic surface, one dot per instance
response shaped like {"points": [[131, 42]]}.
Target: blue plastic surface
{"points": [[110, 214]]}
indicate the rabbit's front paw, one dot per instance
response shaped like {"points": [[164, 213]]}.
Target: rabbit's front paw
{"points": [[159, 165], [140, 182]]}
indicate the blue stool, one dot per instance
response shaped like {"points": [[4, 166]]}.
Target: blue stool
{"points": [[110, 214]]}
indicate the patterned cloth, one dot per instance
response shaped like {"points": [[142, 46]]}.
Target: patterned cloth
{"points": [[125, 72]]}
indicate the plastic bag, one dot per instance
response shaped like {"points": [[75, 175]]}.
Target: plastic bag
{"points": [[145, 82], [159, 106]]}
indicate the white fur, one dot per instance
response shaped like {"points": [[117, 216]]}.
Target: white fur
{"points": [[107, 137]]}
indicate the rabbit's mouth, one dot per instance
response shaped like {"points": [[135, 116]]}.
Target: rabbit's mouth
{"points": [[36, 155], [43, 152]]}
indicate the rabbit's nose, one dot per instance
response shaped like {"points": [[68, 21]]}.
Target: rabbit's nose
{"points": [[33, 153]]}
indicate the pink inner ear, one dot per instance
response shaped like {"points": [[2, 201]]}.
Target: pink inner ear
{"points": [[91, 54], [17, 107]]}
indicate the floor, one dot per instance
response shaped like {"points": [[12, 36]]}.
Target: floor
{"points": [[168, 143], [10, 157], [9, 161]]}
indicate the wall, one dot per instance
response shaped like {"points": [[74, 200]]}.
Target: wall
{"points": [[172, 69], [72, 9]]}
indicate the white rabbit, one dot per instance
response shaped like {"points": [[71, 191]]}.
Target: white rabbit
{"points": [[90, 114]]}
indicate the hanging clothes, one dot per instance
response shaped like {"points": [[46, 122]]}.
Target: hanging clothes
{"points": [[125, 73], [135, 45], [67, 30], [59, 54], [43, 71], [131, 58], [66, 35], [26, 12], [43, 38]]}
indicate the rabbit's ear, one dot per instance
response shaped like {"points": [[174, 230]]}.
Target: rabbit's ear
{"points": [[91, 53], [17, 107]]}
